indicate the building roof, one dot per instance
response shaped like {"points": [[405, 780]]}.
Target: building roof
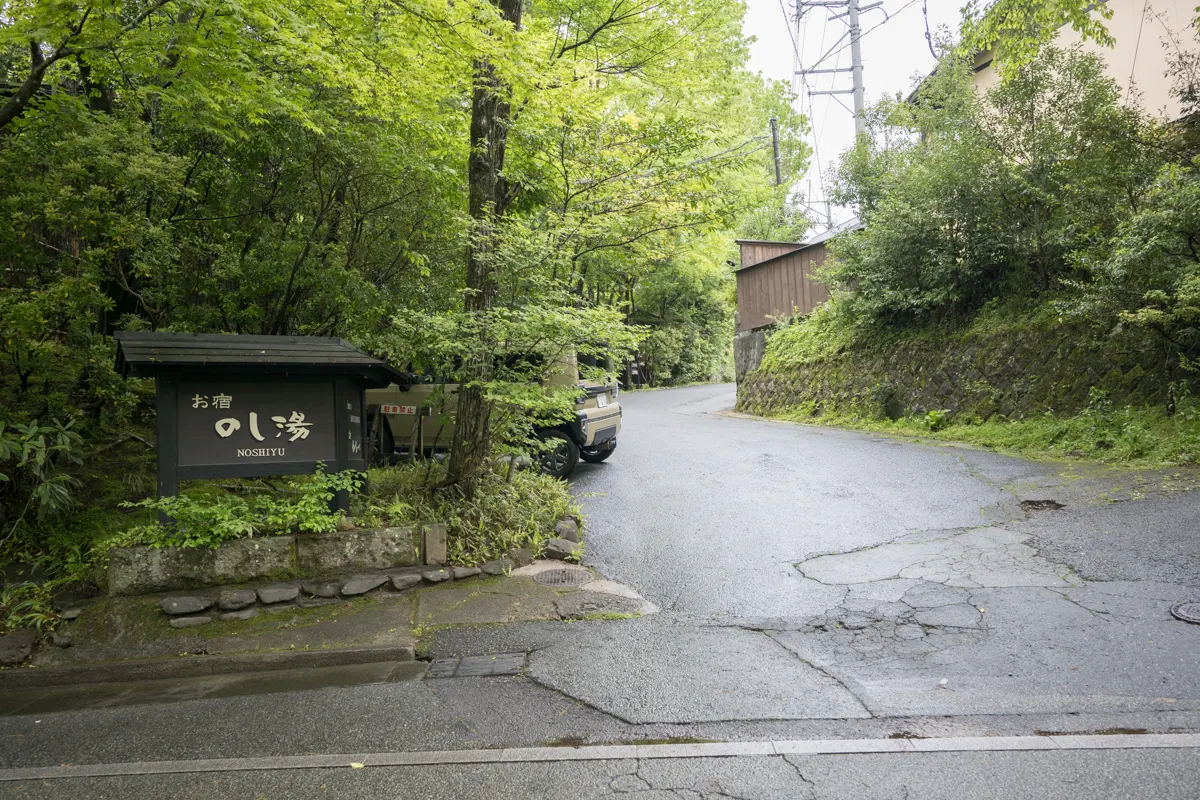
{"points": [[142, 354], [853, 224]]}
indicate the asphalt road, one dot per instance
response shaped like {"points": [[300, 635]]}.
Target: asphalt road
{"points": [[813, 583]]}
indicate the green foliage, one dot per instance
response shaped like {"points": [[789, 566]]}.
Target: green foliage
{"points": [[1151, 275], [35, 459], [511, 509], [308, 509], [207, 521], [1131, 435], [528, 345], [936, 420], [1000, 195], [26, 605], [1017, 30], [301, 169], [826, 332]]}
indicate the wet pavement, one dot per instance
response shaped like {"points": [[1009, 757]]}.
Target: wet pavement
{"points": [[808, 582]]}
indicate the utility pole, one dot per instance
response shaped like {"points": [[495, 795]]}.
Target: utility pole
{"points": [[775, 147], [851, 13], [860, 113]]}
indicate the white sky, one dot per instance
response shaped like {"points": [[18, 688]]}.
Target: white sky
{"points": [[895, 54]]}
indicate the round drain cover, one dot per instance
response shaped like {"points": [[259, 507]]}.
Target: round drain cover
{"points": [[568, 576], [1188, 612]]}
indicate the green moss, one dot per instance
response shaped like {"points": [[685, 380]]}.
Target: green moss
{"points": [[1014, 376], [1140, 437]]}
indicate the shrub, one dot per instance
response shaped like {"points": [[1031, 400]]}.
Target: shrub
{"points": [[510, 509], [207, 522]]}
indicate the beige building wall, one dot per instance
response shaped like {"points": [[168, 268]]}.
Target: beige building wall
{"points": [[1138, 59]]}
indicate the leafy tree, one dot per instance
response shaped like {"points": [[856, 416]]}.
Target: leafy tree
{"points": [[332, 167], [1016, 31], [992, 195]]}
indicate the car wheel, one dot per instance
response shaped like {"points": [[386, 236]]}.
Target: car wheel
{"points": [[594, 455], [561, 455]]}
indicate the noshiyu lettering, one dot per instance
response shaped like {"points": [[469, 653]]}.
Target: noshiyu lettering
{"points": [[260, 452]]}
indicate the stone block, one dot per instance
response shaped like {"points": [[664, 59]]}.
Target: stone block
{"points": [[180, 606], [345, 551], [567, 529], [189, 622], [322, 588], [234, 599], [279, 593], [402, 582], [464, 572], [434, 545], [17, 646], [501, 566], [562, 550], [142, 570], [436, 575], [361, 584], [245, 613]]}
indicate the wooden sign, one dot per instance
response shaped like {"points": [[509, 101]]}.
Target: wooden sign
{"points": [[251, 406]]}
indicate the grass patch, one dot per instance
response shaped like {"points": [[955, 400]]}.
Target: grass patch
{"points": [[1133, 436]]}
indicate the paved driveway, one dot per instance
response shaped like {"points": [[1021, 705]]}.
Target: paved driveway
{"points": [[813, 572]]}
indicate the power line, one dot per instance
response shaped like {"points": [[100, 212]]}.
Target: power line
{"points": [[1136, 47], [876, 26], [798, 51], [928, 38]]}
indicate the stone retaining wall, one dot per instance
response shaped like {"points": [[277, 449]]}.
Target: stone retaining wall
{"points": [[1015, 374], [142, 570]]}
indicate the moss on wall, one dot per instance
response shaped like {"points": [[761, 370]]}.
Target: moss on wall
{"points": [[991, 368]]}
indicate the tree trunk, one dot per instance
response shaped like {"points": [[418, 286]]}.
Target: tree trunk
{"points": [[488, 196]]}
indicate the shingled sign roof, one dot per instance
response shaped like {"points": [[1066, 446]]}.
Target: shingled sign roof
{"points": [[143, 354]]}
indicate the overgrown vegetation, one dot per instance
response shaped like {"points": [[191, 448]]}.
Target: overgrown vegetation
{"points": [[484, 170], [204, 518], [1136, 436], [1045, 209], [513, 508]]}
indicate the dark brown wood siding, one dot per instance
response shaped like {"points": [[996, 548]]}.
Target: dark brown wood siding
{"points": [[780, 287], [755, 252]]}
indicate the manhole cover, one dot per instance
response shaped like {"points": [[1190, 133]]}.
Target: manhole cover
{"points": [[569, 576], [1188, 612]]}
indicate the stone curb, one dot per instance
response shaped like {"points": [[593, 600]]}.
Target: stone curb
{"points": [[199, 666]]}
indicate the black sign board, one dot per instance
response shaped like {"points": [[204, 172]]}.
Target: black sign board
{"points": [[252, 406], [264, 422]]}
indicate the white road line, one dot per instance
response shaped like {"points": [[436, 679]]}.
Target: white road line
{"points": [[613, 753]]}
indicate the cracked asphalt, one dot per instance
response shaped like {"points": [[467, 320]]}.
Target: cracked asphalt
{"points": [[903, 579], [812, 582]]}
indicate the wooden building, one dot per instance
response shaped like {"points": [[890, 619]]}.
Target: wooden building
{"points": [[776, 280]]}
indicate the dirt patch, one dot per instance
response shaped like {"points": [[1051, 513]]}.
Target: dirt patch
{"points": [[1041, 505]]}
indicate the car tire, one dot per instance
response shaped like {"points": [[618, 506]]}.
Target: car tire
{"points": [[594, 455], [563, 454]]}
